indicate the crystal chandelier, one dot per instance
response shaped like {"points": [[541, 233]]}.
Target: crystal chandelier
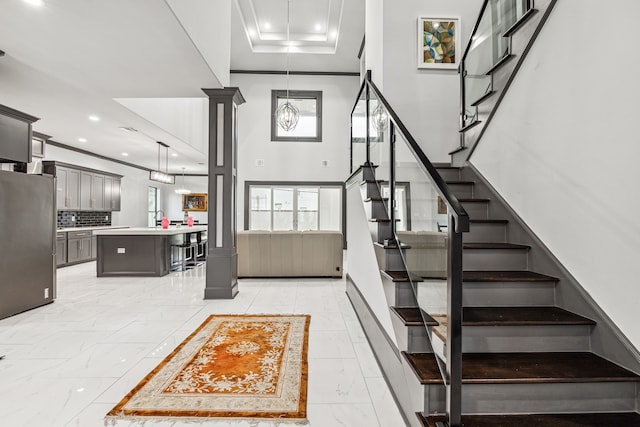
{"points": [[287, 114], [380, 118]]}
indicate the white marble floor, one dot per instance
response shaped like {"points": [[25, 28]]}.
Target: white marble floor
{"points": [[68, 363]]}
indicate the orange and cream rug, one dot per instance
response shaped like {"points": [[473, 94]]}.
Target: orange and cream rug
{"points": [[232, 366]]}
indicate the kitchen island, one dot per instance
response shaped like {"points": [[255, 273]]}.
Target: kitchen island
{"points": [[141, 251]]}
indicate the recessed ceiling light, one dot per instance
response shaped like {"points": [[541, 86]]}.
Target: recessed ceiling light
{"points": [[82, 139], [125, 154], [35, 2], [267, 26], [318, 27], [94, 118], [174, 154]]}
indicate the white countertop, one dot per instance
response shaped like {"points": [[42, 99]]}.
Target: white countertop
{"points": [[98, 227], [150, 231]]}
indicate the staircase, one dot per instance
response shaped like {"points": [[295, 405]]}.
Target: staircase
{"points": [[526, 361]]}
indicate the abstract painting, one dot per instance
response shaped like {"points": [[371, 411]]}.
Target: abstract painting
{"points": [[437, 42]]}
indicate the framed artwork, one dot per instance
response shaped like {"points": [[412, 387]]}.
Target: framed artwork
{"points": [[442, 207], [196, 202], [438, 41]]}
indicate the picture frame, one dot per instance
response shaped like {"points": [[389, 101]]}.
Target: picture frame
{"points": [[439, 43], [195, 202]]}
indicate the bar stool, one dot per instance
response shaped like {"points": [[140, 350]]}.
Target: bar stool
{"points": [[201, 241], [186, 247]]}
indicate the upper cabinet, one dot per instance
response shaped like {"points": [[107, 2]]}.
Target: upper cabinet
{"points": [[84, 189]]}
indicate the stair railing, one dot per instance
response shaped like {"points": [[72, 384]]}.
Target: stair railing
{"points": [[488, 46], [419, 206]]}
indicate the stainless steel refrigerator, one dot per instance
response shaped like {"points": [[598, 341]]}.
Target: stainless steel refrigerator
{"points": [[27, 242]]}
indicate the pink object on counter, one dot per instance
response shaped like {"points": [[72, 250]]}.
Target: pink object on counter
{"points": [[190, 221], [165, 222]]}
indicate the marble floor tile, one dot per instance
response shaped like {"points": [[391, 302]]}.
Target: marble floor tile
{"points": [[68, 363]]}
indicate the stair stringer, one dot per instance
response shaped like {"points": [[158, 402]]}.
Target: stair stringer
{"points": [[606, 339]]}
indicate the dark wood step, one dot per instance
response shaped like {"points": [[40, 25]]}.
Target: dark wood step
{"points": [[496, 245], [474, 200], [489, 221], [500, 63], [376, 199], [525, 368], [401, 276], [414, 316], [521, 316], [629, 419], [460, 182], [506, 276], [372, 181], [379, 220], [445, 166], [466, 128]]}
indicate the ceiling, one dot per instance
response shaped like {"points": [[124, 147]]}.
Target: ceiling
{"points": [[68, 59]]}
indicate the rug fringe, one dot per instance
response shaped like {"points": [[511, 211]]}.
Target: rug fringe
{"points": [[142, 421]]}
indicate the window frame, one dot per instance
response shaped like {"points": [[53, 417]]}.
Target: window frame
{"points": [[296, 94]]}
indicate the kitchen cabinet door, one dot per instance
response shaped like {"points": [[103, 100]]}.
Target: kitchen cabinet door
{"points": [[86, 178], [61, 188], [108, 193], [78, 250], [97, 192], [61, 251], [67, 188], [116, 194]]}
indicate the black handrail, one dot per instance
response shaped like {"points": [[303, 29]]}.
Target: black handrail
{"points": [[475, 30], [458, 212]]}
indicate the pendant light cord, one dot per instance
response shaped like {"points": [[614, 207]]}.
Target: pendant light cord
{"points": [[288, 44]]}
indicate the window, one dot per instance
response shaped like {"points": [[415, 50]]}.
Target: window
{"points": [[309, 104], [300, 207], [152, 201]]}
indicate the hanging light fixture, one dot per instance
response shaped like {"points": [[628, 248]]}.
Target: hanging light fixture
{"points": [[183, 189], [158, 175], [380, 117], [287, 114]]}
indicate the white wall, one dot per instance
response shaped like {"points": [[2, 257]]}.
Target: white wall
{"points": [[563, 150], [427, 101], [292, 161], [133, 186], [204, 21]]}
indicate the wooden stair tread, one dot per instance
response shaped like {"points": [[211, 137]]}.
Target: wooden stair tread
{"points": [[626, 419], [379, 220], [521, 316], [456, 182], [401, 276], [372, 181], [525, 368], [473, 200], [489, 221], [495, 245], [376, 199], [414, 316], [506, 276]]}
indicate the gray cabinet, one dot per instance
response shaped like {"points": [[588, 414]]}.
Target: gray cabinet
{"points": [[94, 246], [61, 248], [67, 189], [78, 246], [84, 189], [91, 191], [111, 193]]}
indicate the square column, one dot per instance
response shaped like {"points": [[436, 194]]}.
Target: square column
{"points": [[222, 255]]}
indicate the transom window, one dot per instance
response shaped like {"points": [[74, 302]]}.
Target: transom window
{"points": [[294, 207], [309, 105]]}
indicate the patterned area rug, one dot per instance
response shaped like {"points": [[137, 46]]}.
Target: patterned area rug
{"points": [[232, 366]]}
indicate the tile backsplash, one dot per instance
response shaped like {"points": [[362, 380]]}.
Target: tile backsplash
{"points": [[83, 219]]}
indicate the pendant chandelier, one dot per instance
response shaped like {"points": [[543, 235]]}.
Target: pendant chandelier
{"points": [[159, 175], [380, 118], [287, 114], [183, 189]]}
